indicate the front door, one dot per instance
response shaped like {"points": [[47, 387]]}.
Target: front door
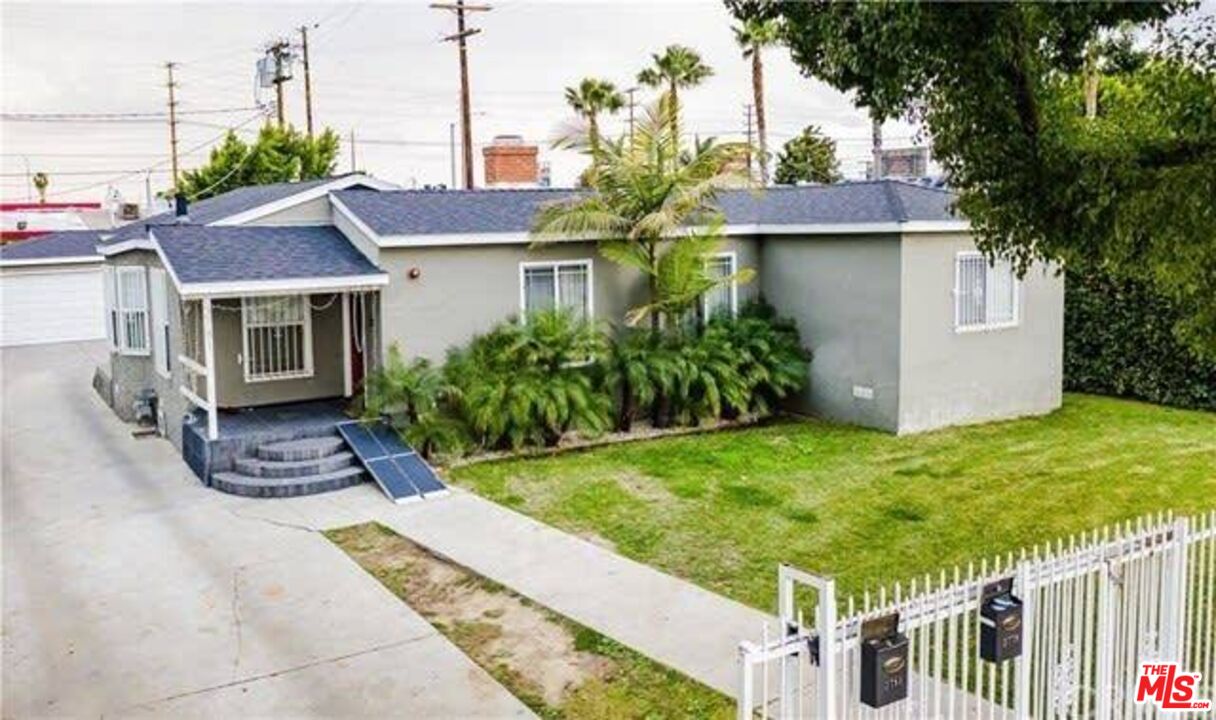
{"points": [[357, 339]]}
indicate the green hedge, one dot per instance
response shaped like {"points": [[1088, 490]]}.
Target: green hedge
{"points": [[1118, 340]]}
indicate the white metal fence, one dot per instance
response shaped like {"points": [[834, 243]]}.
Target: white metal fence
{"points": [[1093, 607]]}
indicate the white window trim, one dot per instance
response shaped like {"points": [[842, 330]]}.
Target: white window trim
{"points": [[734, 285], [555, 265], [121, 344], [987, 326], [159, 321], [305, 373]]}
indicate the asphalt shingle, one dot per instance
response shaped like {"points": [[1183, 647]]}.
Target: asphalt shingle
{"points": [[201, 254], [443, 212], [54, 246]]}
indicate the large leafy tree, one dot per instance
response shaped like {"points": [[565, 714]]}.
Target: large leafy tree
{"points": [[589, 99], [677, 68], [1001, 89], [808, 157], [279, 154], [753, 35], [643, 194]]}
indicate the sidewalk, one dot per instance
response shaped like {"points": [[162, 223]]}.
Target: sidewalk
{"points": [[670, 620]]}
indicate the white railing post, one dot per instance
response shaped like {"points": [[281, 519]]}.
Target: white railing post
{"points": [[213, 423], [1174, 608], [1103, 676], [746, 701], [826, 627], [1023, 664]]}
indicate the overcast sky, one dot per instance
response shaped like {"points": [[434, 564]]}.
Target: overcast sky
{"points": [[378, 68]]}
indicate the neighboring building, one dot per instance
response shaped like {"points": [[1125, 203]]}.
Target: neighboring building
{"points": [[290, 293], [905, 163], [24, 220]]}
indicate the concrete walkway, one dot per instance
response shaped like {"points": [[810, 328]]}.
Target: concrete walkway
{"points": [[130, 589], [668, 619]]}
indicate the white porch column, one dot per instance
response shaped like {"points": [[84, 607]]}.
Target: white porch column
{"points": [[213, 423], [348, 382]]}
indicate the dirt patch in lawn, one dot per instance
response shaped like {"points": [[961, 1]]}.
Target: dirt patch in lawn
{"points": [[555, 666]]}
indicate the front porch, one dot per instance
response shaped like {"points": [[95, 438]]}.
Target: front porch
{"points": [[240, 433]]}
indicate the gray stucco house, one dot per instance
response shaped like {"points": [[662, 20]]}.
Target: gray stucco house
{"points": [[291, 293]]}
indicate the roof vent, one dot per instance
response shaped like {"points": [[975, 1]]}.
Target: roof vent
{"points": [[181, 208]]}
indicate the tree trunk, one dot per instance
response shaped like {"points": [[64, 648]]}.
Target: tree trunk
{"points": [[675, 126], [652, 281], [593, 137], [761, 125], [624, 418]]}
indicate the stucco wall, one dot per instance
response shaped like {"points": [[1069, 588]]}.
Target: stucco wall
{"points": [[328, 377], [844, 294], [130, 374], [462, 291], [951, 378]]}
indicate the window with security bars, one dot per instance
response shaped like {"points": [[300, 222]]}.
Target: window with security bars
{"points": [[561, 285], [126, 295], [722, 299], [277, 337], [985, 294]]}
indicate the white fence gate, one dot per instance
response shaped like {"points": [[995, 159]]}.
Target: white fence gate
{"points": [[1093, 608]]}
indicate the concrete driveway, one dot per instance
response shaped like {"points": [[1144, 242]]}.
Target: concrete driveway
{"points": [[131, 589]]}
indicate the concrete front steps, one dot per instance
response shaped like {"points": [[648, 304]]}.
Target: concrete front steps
{"points": [[293, 467]]}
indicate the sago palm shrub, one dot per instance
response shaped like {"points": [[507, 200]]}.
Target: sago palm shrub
{"points": [[416, 400], [530, 382], [770, 359]]}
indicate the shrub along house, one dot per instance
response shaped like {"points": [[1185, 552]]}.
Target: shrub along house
{"points": [[236, 312]]}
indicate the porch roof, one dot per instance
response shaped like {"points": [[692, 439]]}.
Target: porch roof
{"points": [[213, 260]]}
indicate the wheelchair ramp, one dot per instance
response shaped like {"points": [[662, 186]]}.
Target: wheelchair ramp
{"points": [[399, 471]]}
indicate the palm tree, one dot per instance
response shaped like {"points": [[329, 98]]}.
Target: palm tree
{"points": [[592, 97], [644, 193], [678, 67], [41, 182], [754, 35]]}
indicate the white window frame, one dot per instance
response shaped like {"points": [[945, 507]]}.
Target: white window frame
{"points": [[159, 302], [109, 286], [985, 326], [555, 265], [120, 312], [734, 284], [307, 370]]}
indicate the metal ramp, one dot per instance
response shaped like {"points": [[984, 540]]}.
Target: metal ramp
{"points": [[399, 471]]}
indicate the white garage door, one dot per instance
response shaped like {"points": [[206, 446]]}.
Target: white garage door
{"points": [[47, 306]]}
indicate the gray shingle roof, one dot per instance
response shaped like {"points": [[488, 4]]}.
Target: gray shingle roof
{"points": [[432, 212], [219, 207], [201, 254], [57, 245]]}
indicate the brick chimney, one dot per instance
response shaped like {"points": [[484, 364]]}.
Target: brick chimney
{"points": [[510, 162]]}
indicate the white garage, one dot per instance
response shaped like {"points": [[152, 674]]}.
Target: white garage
{"points": [[51, 291]]}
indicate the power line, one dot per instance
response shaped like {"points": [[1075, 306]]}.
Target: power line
{"points": [[155, 116]]}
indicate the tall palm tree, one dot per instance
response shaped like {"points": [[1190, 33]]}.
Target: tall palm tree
{"points": [[753, 36], [678, 67], [591, 97], [644, 193]]}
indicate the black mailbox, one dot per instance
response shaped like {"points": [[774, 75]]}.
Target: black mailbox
{"points": [[1000, 622], [884, 662]]}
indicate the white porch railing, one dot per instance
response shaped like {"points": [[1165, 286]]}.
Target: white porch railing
{"points": [[195, 372]]}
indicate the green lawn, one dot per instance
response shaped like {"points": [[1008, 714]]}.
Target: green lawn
{"points": [[724, 509]]}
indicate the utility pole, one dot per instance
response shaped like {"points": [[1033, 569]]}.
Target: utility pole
{"points": [[748, 109], [354, 165], [307, 79], [452, 152], [280, 51], [632, 104], [462, 33], [876, 144], [172, 121]]}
